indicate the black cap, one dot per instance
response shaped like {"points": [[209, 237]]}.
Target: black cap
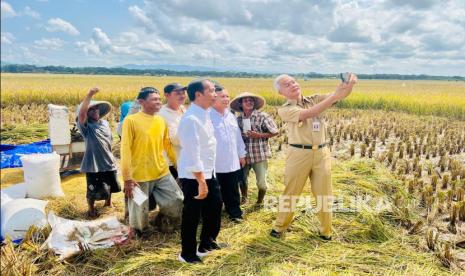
{"points": [[173, 86]]}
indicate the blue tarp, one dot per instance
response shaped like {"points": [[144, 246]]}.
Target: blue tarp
{"points": [[10, 154]]}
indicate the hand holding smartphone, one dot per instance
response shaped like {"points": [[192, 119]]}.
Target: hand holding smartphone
{"points": [[348, 80], [345, 77]]}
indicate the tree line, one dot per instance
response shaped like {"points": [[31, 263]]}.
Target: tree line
{"points": [[26, 68]]}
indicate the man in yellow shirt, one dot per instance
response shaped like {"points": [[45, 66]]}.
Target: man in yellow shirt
{"points": [[144, 138]]}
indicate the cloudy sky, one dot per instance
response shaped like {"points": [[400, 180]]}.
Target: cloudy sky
{"points": [[379, 36]]}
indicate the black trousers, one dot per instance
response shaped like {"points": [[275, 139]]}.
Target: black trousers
{"points": [[210, 210], [173, 172], [229, 184], [101, 185]]}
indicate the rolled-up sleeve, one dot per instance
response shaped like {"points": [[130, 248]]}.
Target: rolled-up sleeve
{"points": [[189, 138], [270, 124]]}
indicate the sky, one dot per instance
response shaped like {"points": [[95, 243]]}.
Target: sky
{"points": [[373, 37]]}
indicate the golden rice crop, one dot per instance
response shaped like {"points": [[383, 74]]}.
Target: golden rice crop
{"points": [[416, 161], [444, 98]]}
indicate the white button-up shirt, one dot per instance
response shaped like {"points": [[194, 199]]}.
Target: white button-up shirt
{"points": [[172, 118], [230, 146], [198, 143]]}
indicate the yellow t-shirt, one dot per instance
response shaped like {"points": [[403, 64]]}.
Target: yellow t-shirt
{"points": [[143, 140]]}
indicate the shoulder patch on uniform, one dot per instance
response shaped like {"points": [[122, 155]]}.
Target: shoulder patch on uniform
{"points": [[311, 99]]}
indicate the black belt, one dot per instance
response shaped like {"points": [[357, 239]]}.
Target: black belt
{"points": [[308, 146]]}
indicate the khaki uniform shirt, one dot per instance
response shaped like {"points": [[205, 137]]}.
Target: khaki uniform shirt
{"points": [[302, 132]]}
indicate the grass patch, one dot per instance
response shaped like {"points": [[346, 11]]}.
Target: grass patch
{"points": [[364, 242], [23, 134]]}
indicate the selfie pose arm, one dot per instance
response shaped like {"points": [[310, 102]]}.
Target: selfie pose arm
{"points": [[85, 105], [343, 90]]}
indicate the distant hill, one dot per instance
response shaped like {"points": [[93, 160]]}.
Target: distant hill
{"points": [[172, 67], [186, 70]]}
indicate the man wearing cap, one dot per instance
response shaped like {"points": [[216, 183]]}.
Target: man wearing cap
{"points": [[308, 155], [196, 164], [145, 137], [256, 127], [98, 163], [172, 111], [230, 153]]}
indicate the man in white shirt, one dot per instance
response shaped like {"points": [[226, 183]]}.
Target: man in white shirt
{"points": [[230, 153], [172, 111], [196, 165]]}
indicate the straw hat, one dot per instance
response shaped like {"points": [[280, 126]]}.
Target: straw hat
{"points": [[236, 102], [104, 107]]}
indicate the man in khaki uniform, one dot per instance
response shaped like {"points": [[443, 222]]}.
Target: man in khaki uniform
{"points": [[308, 155]]}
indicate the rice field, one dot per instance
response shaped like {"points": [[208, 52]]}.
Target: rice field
{"points": [[402, 140], [442, 98], [364, 242]]}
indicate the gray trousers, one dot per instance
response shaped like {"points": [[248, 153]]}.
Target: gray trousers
{"points": [[168, 196], [261, 171]]}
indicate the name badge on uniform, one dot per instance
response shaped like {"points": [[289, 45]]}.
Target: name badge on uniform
{"points": [[316, 126]]}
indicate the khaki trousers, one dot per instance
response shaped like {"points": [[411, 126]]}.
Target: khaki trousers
{"points": [[302, 164]]}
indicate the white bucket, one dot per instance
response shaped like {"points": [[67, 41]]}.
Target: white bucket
{"points": [[42, 175], [20, 214]]}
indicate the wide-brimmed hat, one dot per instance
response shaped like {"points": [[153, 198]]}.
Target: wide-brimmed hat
{"points": [[236, 102], [104, 107]]}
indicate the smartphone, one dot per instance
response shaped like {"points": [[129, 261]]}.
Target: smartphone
{"points": [[345, 77]]}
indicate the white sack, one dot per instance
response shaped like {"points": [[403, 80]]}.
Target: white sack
{"points": [[68, 237], [42, 175], [15, 191], [58, 125]]}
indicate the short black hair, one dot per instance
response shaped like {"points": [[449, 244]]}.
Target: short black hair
{"points": [[146, 91], [218, 87], [195, 86]]}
